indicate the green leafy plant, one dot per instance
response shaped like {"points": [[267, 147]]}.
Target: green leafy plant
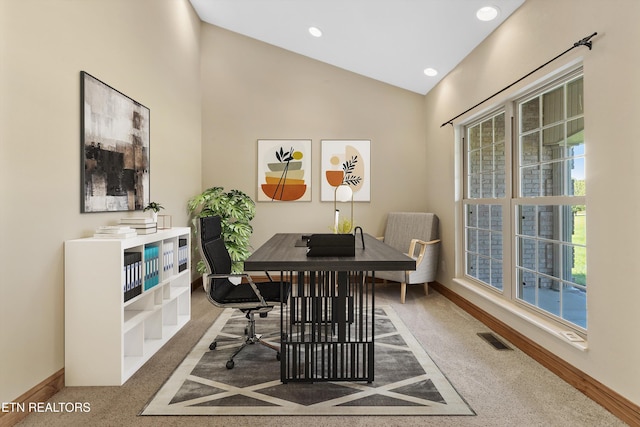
{"points": [[236, 210], [153, 206], [344, 227]]}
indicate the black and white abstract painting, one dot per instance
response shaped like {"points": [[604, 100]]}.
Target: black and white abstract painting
{"points": [[115, 149]]}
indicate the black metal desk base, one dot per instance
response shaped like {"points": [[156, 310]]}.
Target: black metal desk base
{"points": [[327, 328]]}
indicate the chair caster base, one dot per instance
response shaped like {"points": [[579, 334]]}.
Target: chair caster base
{"points": [[213, 345], [230, 364]]}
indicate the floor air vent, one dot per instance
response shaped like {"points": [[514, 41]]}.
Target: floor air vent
{"points": [[493, 340]]}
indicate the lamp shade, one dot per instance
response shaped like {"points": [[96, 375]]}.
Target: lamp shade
{"points": [[343, 193]]}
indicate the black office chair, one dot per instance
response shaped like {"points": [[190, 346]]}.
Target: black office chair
{"points": [[249, 297]]}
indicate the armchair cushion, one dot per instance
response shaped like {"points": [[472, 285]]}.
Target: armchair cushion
{"points": [[416, 234]]}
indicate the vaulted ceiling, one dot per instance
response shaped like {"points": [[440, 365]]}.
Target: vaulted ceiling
{"points": [[393, 41]]}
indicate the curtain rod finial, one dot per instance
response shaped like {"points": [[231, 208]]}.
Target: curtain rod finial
{"points": [[585, 41]]}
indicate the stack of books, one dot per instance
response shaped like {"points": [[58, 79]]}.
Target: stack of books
{"points": [[142, 225], [114, 232]]}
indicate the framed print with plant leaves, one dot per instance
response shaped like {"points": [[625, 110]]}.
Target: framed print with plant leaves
{"points": [[115, 149], [346, 162], [284, 170]]}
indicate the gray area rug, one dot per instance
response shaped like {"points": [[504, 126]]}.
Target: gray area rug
{"points": [[407, 382]]}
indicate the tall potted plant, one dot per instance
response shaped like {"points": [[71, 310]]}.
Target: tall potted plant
{"points": [[236, 210]]}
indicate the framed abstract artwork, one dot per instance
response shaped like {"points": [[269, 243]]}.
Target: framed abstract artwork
{"points": [[346, 162], [115, 132], [284, 170]]}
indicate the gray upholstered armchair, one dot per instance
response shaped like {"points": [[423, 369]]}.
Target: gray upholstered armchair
{"points": [[416, 234]]}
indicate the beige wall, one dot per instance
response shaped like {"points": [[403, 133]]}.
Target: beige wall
{"points": [[150, 50], [147, 49], [252, 90], [537, 32]]}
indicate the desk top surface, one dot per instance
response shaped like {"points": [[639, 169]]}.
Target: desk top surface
{"points": [[281, 253]]}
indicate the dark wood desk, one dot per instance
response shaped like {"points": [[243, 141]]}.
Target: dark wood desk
{"points": [[327, 328]]}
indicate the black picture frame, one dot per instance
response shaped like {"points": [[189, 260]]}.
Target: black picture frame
{"points": [[115, 144]]}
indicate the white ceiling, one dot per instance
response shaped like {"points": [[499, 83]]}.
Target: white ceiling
{"points": [[392, 41]]}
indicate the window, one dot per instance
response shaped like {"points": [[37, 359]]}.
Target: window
{"points": [[486, 193], [524, 201]]}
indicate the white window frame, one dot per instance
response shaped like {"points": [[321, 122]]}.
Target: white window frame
{"points": [[503, 202], [508, 293]]}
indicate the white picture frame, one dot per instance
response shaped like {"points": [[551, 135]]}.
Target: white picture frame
{"points": [[346, 162], [284, 170]]}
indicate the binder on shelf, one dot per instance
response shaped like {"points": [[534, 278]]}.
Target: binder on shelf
{"points": [[152, 267], [167, 258], [183, 254], [132, 275]]}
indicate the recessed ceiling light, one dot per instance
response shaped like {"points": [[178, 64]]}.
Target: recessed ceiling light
{"points": [[430, 72], [487, 13], [315, 31]]}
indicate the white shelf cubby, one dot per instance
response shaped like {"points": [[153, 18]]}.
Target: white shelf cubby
{"points": [[107, 339]]}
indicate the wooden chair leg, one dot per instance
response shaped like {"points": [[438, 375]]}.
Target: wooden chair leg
{"points": [[403, 291]]}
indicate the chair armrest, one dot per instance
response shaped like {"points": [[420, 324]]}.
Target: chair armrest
{"points": [[206, 277], [423, 248], [223, 276]]}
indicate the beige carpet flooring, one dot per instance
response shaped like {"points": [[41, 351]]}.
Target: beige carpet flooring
{"points": [[505, 388]]}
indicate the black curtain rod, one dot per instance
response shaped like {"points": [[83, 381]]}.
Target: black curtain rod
{"points": [[584, 42]]}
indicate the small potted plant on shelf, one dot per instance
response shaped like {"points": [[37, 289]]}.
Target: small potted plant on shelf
{"points": [[154, 207], [235, 209]]}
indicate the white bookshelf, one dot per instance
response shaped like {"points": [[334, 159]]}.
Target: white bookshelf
{"points": [[107, 339]]}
